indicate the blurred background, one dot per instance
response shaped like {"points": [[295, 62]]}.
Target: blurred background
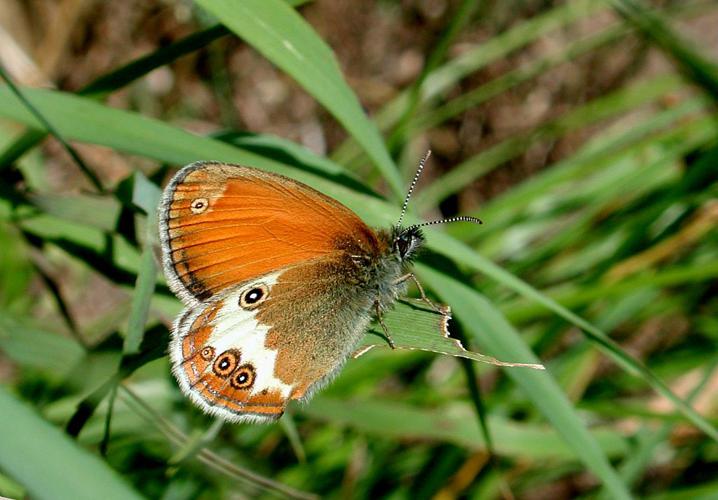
{"points": [[583, 133]]}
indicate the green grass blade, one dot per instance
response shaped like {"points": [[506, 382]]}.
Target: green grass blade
{"points": [[85, 120], [491, 331], [32, 347], [445, 77], [592, 112], [513, 78], [125, 75], [459, 19], [455, 424], [574, 49], [689, 59], [461, 253], [95, 211], [448, 75], [576, 297], [283, 37], [20, 146], [502, 209], [650, 437], [120, 77], [196, 441], [204, 455], [130, 72], [46, 125], [146, 196], [48, 463]]}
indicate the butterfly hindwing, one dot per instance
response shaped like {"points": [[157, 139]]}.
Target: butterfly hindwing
{"points": [[246, 353], [221, 360]]}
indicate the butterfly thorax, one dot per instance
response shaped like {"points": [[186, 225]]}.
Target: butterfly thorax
{"points": [[377, 269]]}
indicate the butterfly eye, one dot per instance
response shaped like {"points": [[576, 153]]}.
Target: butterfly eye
{"points": [[225, 364], [252, 297], [199, 205], [243, 377], [207, 353]]}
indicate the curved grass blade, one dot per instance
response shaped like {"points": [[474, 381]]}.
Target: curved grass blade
{"points": [[120, 77], [455, 424], [491, 331], [599, 109], [460, 253], [146, 196], [283, 37], [125, 75], [94, 180], [85, 120], [133, 70], [207, 457], [48, 463], [446, 76], [472, 98], [24, 143], [653, 26], [32, 347], [679, 130]]}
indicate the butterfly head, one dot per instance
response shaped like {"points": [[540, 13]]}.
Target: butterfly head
{"points": [[406, 242]]}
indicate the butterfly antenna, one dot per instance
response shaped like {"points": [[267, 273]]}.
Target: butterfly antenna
{"points": [[460, 218], [422, 163]]}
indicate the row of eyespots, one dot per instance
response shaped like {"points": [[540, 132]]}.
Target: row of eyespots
{"points": [[227, 366]]}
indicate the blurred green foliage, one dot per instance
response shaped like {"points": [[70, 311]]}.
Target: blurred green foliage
{"points": [[602, 266]]}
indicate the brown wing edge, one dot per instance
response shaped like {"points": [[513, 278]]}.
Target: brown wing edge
{"points": [[173, 279]]}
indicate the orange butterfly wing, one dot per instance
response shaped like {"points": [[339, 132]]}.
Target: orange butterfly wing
{"points": [[222, 224]]}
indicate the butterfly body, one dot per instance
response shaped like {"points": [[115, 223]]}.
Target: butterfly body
{"points": [[280, 283]]}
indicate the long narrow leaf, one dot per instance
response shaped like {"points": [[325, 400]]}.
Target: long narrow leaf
{"points": [[491, 331], [454, 424], [84, 120], [283, 37], [48, 463], [652, 24]]}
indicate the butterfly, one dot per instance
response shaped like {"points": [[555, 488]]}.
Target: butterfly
{"points": [[280, 283]]}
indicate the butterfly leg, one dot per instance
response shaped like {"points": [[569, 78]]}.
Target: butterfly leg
{"points": [[424, 298], [383, 325]]}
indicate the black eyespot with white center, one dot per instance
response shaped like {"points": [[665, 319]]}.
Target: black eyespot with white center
{"points": [[226, 362], [199, 205], [253, 296], [243, 377]]}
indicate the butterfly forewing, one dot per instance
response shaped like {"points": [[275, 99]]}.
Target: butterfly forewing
{"points": [[222, 225]]}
